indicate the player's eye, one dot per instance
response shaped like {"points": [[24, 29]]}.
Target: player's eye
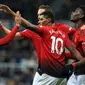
{"points": [[41, 19]]}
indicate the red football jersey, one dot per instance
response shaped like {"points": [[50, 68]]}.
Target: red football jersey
{"points": [[9, 37], [79, 39], [53, 47], [65, 28], [37, 40], [49, 47]]}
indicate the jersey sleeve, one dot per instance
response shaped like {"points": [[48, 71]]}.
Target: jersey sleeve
{"points": [[42, 29], [67, 41], [9, 37], [82, 41], [27, 34], [82, 37], [67, 29]]}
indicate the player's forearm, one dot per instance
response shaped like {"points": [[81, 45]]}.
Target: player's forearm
{"points": [[12, 12], [25, 22], [68, 54], [29, 25], [76, 55], [9, 37], [83, 48], [5, 30]]}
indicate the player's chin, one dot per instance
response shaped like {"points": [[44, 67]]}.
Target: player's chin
{"points": [[72, 20]]}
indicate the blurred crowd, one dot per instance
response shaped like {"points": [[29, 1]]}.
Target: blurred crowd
{"points": [[17, 63]]}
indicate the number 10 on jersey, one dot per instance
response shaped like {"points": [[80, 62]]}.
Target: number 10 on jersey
{"points": [[54, 45]]}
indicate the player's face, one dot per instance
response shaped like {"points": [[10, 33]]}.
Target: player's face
{"points": [[42, 20], [77, 15]]}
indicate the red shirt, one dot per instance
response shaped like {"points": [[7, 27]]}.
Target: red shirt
{"points": [[68, 30], [54, 43], [79, 39], [46, 58], [9, 37], [28, 34], [65, 28]]}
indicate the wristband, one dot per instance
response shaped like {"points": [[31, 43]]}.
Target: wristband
{"points": [[74, 65]]}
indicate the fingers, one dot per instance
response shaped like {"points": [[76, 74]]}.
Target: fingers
{"points": [[18, 14], [18, 18], [3, 7]]}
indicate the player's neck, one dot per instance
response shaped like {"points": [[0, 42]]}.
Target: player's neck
{"points": [[50, 24], [78, 24]]}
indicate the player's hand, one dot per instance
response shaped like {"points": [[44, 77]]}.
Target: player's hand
{"points": [[18, 18], [1, 26], [5, 8]]}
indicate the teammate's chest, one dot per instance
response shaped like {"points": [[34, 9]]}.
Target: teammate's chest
{"points": [[76, 37]]}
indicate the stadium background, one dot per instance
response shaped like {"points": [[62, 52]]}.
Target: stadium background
{"points": [[18, 59]]}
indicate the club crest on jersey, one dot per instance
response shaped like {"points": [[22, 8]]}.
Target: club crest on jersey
{"points": [[57, 32]]}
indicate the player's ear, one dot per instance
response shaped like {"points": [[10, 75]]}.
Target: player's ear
{"points": [[49, 20], [81, 16]]}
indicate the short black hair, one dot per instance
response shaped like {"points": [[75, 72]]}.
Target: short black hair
{"points": [[83, 8], [46, 7], [48, 14]]}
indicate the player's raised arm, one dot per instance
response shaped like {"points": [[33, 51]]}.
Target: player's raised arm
{"points": [[10, 36], [24, 22], [6, 9]]}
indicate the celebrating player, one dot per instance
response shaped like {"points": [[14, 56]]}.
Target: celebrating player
{"points": [[78, 17], [43, 17]]}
